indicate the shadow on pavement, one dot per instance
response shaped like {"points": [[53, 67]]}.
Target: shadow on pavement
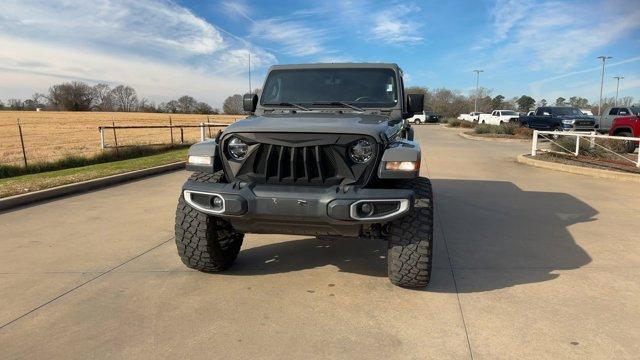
{"points": [[499, 235], [494, 230]]}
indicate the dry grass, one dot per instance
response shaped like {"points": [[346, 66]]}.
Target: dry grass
{"points": [[53, 135]]}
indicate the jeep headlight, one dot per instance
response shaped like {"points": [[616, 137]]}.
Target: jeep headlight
{"points": [[361, 152], [237, 148], [568, 122]]}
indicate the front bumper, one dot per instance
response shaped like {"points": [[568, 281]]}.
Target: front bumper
{"points": [[260, 208]]}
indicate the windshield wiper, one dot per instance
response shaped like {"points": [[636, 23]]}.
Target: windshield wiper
{"points": [[342, 103], [288, 104]]}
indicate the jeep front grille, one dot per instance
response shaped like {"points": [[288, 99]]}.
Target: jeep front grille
{"points": [[301, 159]]}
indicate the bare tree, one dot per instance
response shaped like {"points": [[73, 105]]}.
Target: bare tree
{"points": [[186, 104], [203, 108], [15, 104], [103, 97], [169, 107], [233, 105], [125, 98], [71, 96]]}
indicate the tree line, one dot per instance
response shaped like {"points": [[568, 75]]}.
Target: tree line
{"points": [[451, 103], [80, 96]]}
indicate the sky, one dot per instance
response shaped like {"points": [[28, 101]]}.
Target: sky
{"points": [[165, 49]]}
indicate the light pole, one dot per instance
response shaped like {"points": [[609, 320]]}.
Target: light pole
{"points": [[249, 71], [604, 59], [475, 106], [617, 87]]}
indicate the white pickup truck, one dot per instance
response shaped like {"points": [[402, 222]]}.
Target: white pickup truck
{"points": [[473, 116], [498, 117]]}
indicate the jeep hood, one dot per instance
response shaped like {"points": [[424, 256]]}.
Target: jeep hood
{"points": [[347, 123]]}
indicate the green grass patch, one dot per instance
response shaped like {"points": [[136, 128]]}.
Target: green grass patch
{"points": [[45, 180], [72, 161]]}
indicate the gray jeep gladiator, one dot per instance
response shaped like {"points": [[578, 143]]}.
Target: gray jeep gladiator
{"points": [[327, 151]]}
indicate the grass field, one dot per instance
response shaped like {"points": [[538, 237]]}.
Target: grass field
{"points": [[33, 182], [52, 135]]}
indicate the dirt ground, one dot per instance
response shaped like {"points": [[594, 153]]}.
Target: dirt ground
{"points": [[52, 135]]}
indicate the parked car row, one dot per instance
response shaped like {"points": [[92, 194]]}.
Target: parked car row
{"points": [[617, 121], [425, 117]]}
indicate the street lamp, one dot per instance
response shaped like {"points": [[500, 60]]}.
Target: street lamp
{"points": [[475, 106], [617, 87], [604, 59]]}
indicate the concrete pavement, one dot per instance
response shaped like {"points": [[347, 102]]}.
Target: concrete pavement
{"points": [[529, 263]]}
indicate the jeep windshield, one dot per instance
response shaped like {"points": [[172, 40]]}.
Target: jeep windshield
{"points": [[363, 88]]}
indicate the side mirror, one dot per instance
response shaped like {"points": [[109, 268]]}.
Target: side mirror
{"points": [[415, 103], [249, 102]]}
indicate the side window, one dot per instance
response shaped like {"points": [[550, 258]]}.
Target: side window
{"points": [[623, 112], [613, 111]]}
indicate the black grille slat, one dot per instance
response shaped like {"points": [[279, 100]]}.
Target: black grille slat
{"points": [[267, 162], [292, 160], [279, 174], [306, 164], [318, 163]]}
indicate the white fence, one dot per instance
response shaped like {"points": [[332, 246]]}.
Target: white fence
{"points": [[592, 143]]}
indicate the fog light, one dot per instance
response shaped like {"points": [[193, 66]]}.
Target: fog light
{"points": [[366, 209], [199, 160], [402, 165], [217, 202]]}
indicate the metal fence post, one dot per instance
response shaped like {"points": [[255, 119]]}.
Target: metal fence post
{"points": [[181, 135], [101, 137], [534, 143], [201, 131], [171, 129], [577, 144], [115, 137], [592, 141], [24, 153]]}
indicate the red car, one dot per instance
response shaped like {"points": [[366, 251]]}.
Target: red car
{"points": [[627, 126]]}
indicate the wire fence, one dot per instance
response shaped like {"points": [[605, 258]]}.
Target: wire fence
{"points": [[43, 139]]}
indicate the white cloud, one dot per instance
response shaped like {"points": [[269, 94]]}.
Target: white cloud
{"points": [[556, 35], [159, 47], [118, 24], [295, 37], [391, 26], [158, 81]]}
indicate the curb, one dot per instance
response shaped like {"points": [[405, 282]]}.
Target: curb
{"points": [[497, 139], [598, 173], [58, 191]]}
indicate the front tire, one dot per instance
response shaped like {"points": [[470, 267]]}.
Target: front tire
{"points": [[410, 252], [206, 243]]}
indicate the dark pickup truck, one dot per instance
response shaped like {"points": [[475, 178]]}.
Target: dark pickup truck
{"points": [[559, 118]]}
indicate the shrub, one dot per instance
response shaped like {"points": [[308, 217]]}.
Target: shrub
{"points": [[565, 143], [503, 129], [453, 122], [524, 132]]}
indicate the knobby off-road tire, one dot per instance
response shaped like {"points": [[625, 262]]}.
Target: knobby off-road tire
{"points": [[410, 250], [205, 242]]}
